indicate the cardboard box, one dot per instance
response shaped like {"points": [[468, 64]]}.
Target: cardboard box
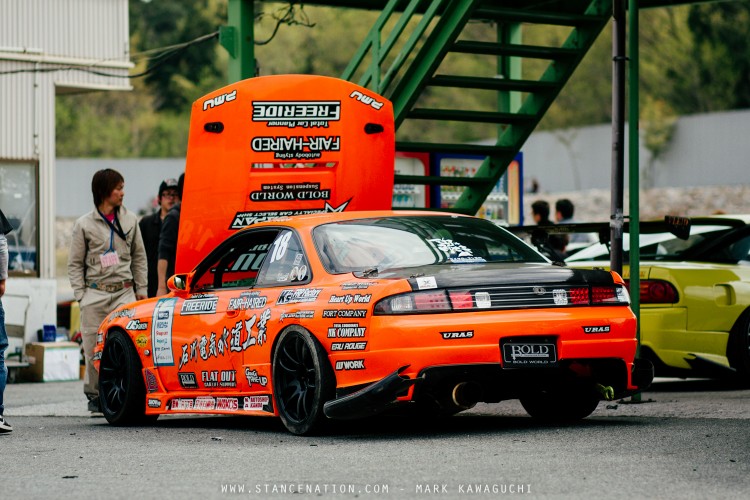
{"points": [[53, 361]]}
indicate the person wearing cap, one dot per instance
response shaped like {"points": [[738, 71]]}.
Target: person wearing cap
{"points": [[168, 241], [151, 227], [106, 266]]}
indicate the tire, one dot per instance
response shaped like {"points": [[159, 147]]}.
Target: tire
{"points": [[738, 348], [122, 392], [561, 406], [302, 381]]}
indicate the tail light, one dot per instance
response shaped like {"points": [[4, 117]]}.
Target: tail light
{"points": [[657, 292], [411, 303]]}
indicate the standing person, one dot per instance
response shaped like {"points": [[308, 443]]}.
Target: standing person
{"points": [[557, 243], [564, 210], [151, 227], [5, 228], [168, 241], [106, 266]]}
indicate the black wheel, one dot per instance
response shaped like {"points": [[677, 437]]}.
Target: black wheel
{"points": [[302, 381], [122, 392], [738, 348], [561, 406]]}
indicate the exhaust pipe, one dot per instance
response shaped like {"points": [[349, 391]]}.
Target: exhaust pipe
{"points": [[373, 399], [466, 395]]}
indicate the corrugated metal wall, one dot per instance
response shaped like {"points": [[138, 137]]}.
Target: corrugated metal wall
{"points": [[39, 35]]}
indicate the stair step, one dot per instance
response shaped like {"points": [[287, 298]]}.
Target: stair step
{"points": [[471, 116], [496, 13], [458, 149], [500, 84], [513, 50]]}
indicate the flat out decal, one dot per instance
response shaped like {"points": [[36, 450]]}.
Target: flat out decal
{"points": [[279, 146]]}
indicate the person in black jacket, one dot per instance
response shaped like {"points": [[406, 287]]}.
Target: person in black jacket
{"points": [[151, 227], [168, 242]]}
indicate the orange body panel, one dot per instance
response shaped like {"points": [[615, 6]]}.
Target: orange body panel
{"points": [[275, 146]]}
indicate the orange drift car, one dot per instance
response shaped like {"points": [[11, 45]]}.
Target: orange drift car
{"points": [[346, 315]]}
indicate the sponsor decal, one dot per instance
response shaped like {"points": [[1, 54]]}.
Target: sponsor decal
{"points": [[345, 313], [297, 295], [298, 315], [290, 192], [455, 251], [357, 285], [141, 341], [199, 304], [529, 351], [122, 313], [466, 334], [181, 404], [293, 114], [356, 298], [204, 403], [483, 300], [97, 356], [346, 330], [136, 324], [154, 403], [247, 300], [161, 332], [254, 379], [244, 219], [216, 378], [596, 329], [99, 338], [151, 384], [296, 147], [227, 404], [253, 403], [348, 346], [426, 282], [219, 100], [351, 364], [188, 380], [366, 99], [214, 346]]}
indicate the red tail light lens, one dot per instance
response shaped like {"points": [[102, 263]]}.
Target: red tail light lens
{"points": [[461, 299], [658, 292], [578, 296]]}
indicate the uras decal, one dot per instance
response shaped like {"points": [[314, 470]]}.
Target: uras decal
{"points": [[596, 329]]}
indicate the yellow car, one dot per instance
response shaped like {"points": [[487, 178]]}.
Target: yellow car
{"points": [[694, 294]]}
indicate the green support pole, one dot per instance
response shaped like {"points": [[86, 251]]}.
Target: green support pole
{"points": [[634, 178], [238, 37]]}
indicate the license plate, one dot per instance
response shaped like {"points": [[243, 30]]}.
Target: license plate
{"points": [[528, 352]]}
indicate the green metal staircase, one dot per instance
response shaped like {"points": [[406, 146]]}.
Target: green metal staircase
{"points": [[402, 55]]}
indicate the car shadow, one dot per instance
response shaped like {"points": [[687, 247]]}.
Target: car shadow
{"points": [[695, 385]]}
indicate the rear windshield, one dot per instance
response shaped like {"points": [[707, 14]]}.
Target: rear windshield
{"points": [[413, 241]]}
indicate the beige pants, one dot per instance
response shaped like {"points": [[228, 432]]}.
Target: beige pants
{"points": [[95, 306]]}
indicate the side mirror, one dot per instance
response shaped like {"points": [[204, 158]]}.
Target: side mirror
{"points": [[178, 282]]}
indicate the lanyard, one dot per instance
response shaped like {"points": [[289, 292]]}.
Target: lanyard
{"points": [[113, 228]]}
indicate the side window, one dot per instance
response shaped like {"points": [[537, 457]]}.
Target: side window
{"points": [[238, 262], [286, 262]]}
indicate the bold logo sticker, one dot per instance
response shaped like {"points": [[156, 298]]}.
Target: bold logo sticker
{"points": [[293, 114], [219, 100], [201, 304], [346, 330], [136, 324], [253, 403], [596, 329], [188, 380], [291, 192], [244, 219], [345, 313], [254, 379], [366, 99], [466, 334], [352, 364], [348, 346]]}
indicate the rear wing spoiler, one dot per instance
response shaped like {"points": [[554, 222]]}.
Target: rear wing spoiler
{"points": [[678, 226]]}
